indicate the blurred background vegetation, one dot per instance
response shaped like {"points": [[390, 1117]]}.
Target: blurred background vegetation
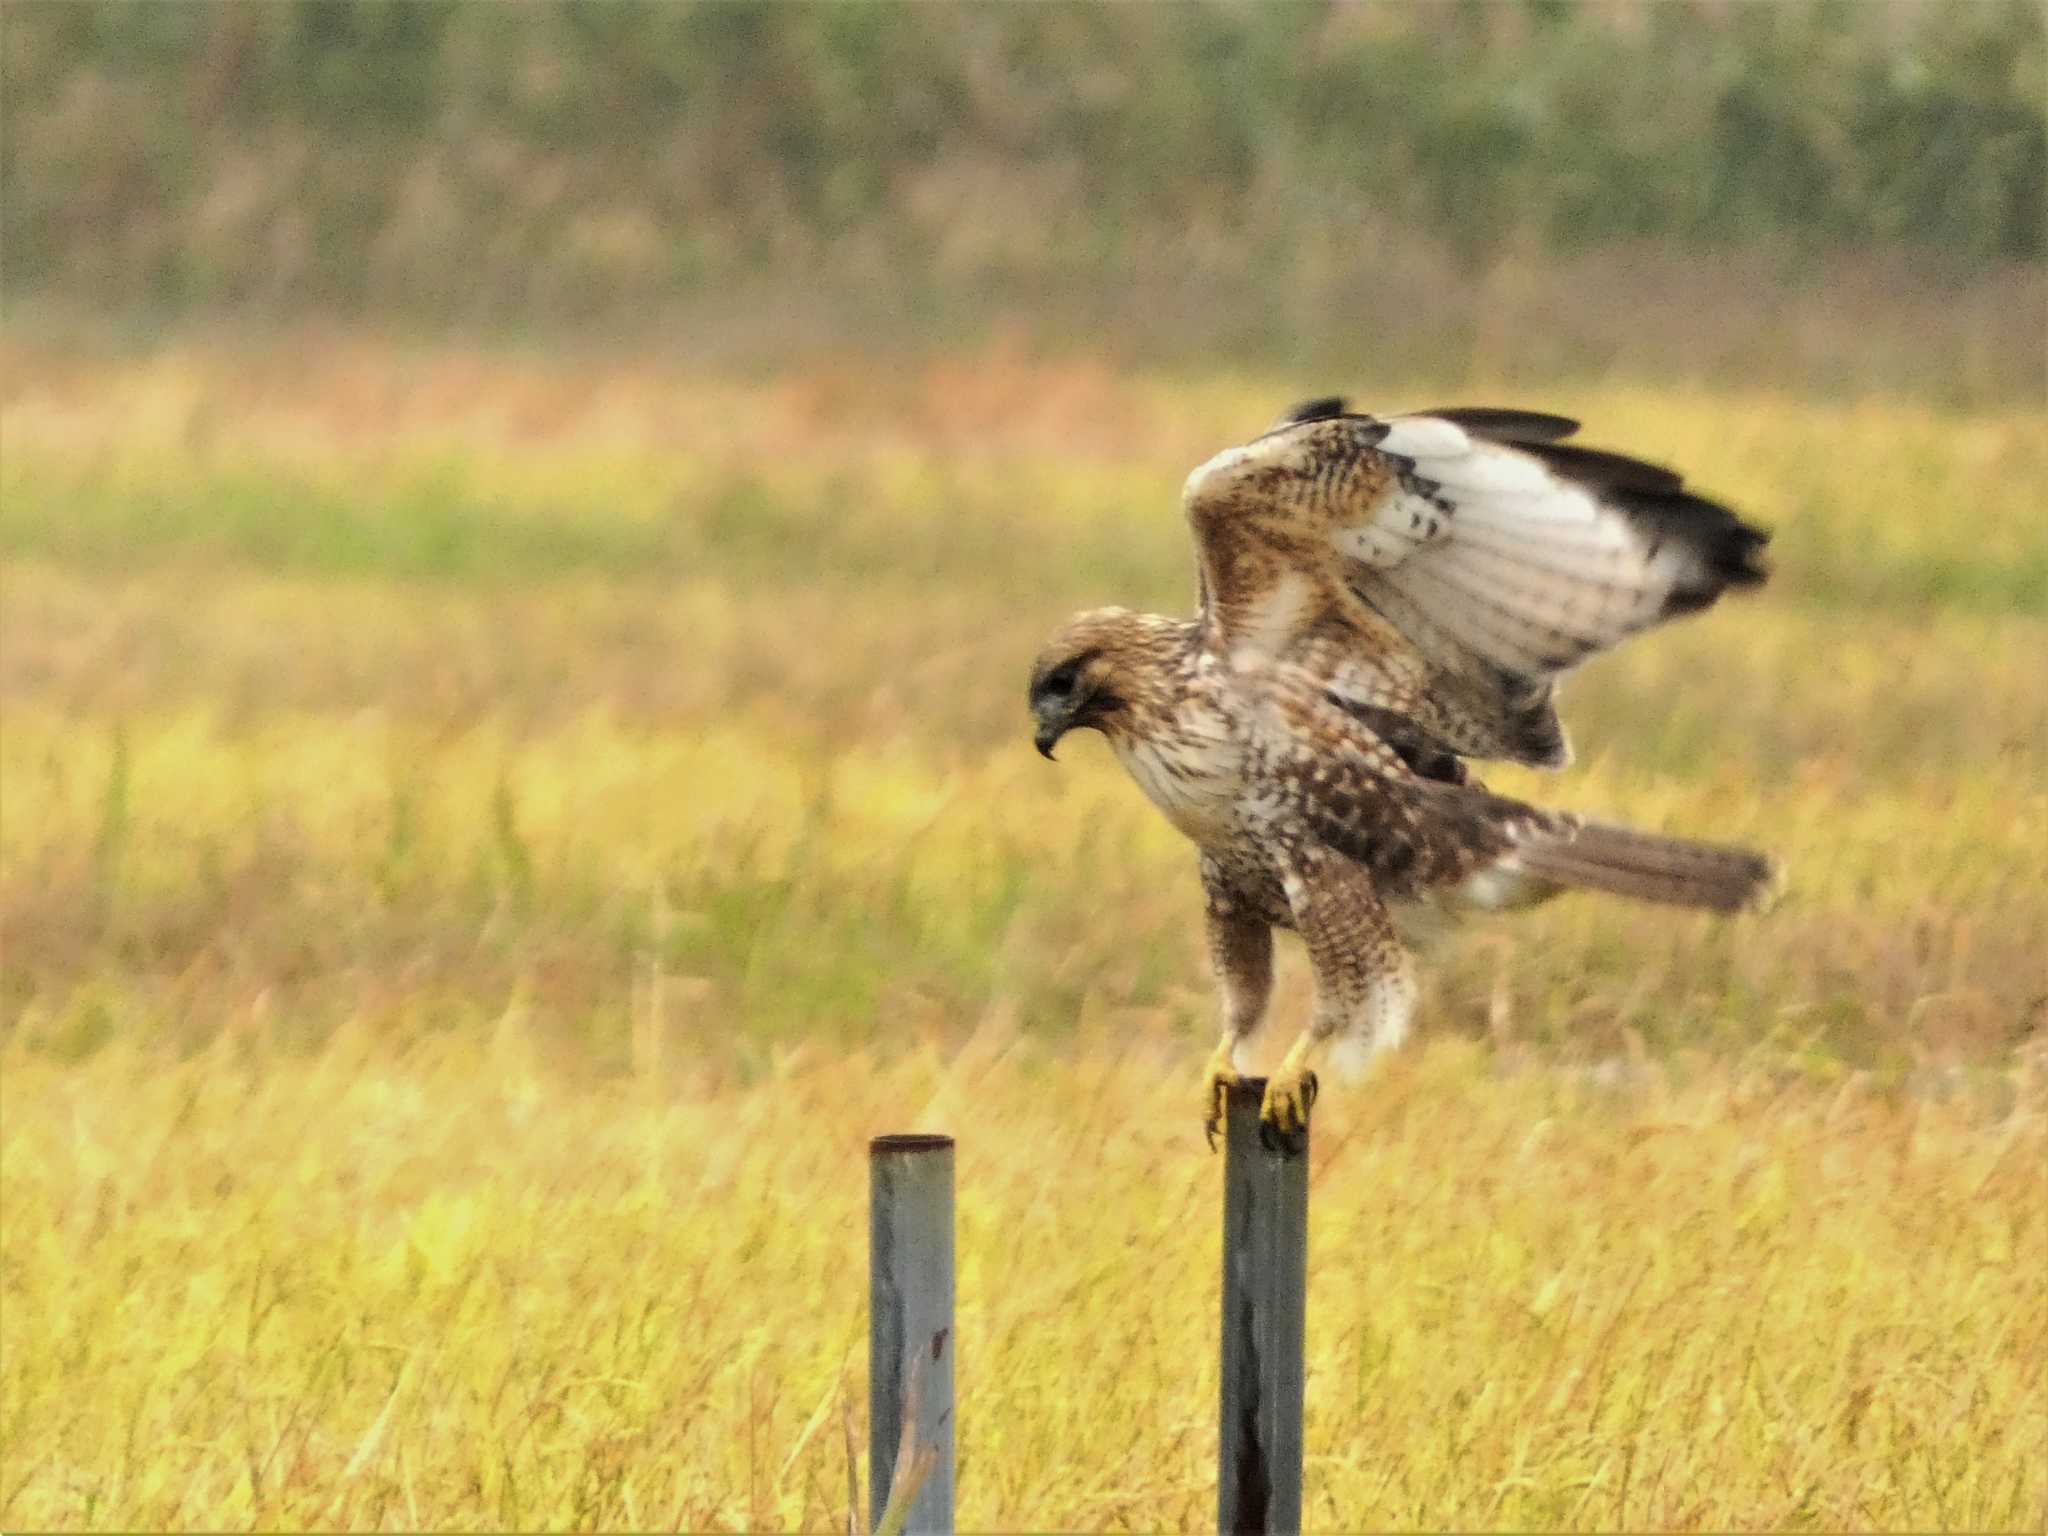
{"points": [[522, 531], [1667, 186]]}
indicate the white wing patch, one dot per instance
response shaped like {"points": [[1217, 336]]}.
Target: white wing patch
{"points": [[1506, 559], [1425, 437]]}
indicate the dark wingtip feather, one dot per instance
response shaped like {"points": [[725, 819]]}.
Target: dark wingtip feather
{"points": [[1321, 408], [1730, 551], [1600, 470], [1505, 424]]}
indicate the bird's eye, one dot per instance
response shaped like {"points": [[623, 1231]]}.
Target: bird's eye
{"points": [[1061, 680]]}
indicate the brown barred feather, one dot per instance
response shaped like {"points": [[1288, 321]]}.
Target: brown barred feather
{"points": [[1648, 867]]}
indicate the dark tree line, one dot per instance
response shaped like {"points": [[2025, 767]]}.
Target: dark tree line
{"points": [[426, 155]]}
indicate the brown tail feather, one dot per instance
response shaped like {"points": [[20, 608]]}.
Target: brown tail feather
{"points": [[1647, 867]]}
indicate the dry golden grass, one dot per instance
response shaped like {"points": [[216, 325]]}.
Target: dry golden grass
{"points": [[485, 840], [438, 1287]]}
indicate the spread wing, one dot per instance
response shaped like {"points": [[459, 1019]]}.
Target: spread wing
{"points": [[1450, 564]]}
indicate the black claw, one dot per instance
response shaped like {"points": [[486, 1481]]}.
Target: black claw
{"points": [[1291, 1140]]}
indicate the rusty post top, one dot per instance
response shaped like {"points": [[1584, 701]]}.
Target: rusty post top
{"points": [[883, 1146]]}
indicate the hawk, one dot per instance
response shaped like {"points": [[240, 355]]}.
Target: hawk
{"points": [[1382, 600]]}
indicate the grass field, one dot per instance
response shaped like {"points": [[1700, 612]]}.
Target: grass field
{"points": [[486, 838]]}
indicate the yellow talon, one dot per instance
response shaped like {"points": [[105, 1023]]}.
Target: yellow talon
{"points": [[1291, 1090], [1289, 1094], [1217, 1082]]}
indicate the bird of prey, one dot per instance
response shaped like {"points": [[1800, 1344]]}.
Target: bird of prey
{"points": [[1382, 599]]}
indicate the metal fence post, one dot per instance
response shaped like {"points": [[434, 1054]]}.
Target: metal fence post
{"points": [[910, 1327], [1265, 1284]]}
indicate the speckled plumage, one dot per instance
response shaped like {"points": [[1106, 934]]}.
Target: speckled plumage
{"points": [[1382, 599]]}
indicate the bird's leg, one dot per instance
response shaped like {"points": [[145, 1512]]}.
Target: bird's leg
{"points": [[1363, 975], [1222, 1076], [1379, 1020], [1241, 951]]}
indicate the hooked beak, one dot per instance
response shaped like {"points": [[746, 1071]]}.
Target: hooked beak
{"points": [[1069, 712], [1056, 717]]}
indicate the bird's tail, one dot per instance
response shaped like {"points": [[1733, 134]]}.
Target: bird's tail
{"points": [[1646, 867]]}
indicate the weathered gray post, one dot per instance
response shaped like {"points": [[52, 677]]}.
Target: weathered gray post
{"points": [[1265, 1286], [910, 1327]]}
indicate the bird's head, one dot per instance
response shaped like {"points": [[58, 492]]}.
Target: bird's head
{"points": [[1100, 669]]}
